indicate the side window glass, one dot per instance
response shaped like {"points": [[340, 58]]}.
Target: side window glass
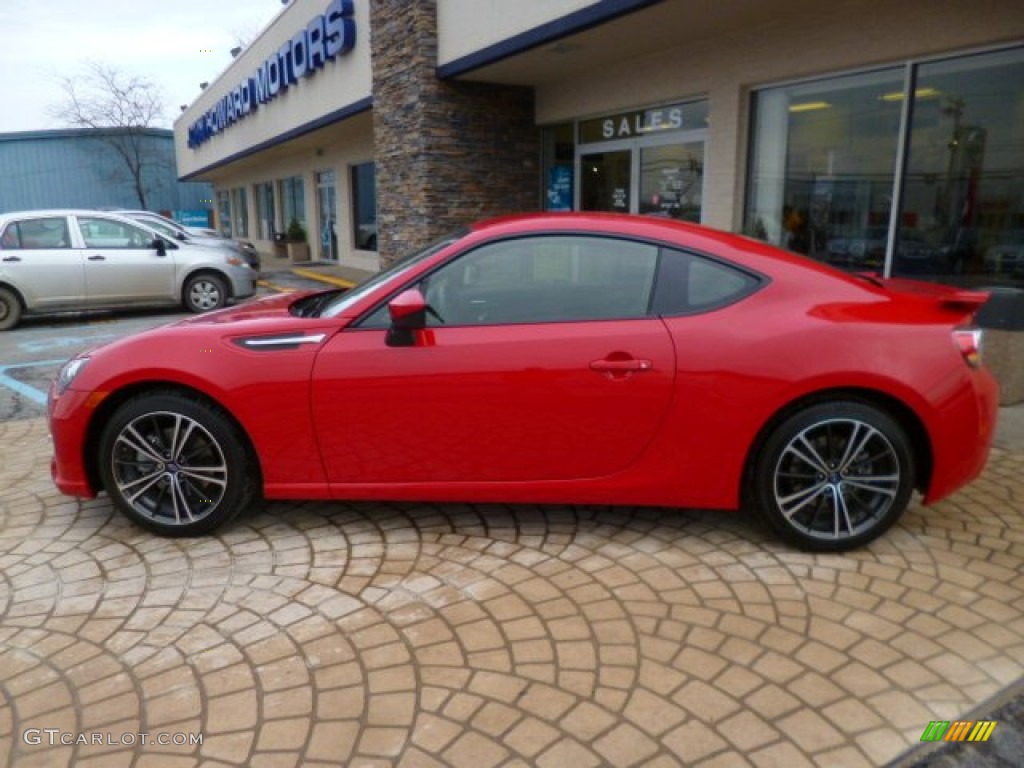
{"points": [[545, 279], [36, 234], [688, 283], [107, 233], [163, 228]]}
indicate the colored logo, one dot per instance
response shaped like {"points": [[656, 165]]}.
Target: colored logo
{"points": [[958, 730]]}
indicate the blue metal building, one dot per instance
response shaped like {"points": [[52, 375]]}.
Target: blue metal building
{"points": [[78, 168]]}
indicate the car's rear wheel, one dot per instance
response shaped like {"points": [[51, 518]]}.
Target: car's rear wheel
{"points": [[205, 292], [175, 465], [10, 309], [834, 476]]}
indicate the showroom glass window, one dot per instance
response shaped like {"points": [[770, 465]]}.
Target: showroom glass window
{"points": [[364, 206], [962, 214], [825, 169], [224, 213], [293, 202], [240, 206], [559, 162], [265, 210], [822, 167]]}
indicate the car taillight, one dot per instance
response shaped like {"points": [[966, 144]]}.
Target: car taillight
{"points": [[970, 341]]}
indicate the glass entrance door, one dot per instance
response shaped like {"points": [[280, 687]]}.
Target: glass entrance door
{"points": [[672, 181], [649, 176], [606, 182], [326, 200]]}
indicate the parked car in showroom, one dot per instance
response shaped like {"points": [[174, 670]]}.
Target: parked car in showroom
{"points": [[172, 230], [1007, 256], [559, 358], [60, 260], [861, 252]]}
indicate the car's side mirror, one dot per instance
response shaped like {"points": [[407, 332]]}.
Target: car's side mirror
{"points": [[160, 246], [408, 311], [181, 236]]}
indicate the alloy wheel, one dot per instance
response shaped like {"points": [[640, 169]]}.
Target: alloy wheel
{"points": [[169, 468], [836, 479]]}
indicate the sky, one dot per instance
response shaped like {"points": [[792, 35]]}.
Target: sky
{"points": [[174, 44]]}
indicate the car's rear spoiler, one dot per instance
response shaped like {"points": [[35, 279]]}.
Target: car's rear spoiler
{"points": [[957, 299]]}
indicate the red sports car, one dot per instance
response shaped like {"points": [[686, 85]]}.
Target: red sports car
{"points": [[549, 358]]}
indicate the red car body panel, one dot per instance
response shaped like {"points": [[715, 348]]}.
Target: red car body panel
{"points": [[656, 411]]}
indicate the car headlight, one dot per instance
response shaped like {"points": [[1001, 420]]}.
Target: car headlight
{"points": [[69, 372]]}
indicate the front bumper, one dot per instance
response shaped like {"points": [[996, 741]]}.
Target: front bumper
{"points": [[243, 282], [69, 416]]}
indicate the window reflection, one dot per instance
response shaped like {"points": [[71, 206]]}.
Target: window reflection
{"points": [[824, 155], [671, 181], [962, 216], [824, 164]]}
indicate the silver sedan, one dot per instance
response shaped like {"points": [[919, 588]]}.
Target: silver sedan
{"points": [[52, 261]]}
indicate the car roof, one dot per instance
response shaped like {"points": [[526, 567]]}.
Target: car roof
{"points": [[749, 252], [62, 212], [112, 215]]}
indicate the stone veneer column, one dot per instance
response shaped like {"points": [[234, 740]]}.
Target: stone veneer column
{"points": [[447, 153]]}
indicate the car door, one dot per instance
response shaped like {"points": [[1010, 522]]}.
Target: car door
{"points": [[541, 363], [122, 266], [37, 258]]}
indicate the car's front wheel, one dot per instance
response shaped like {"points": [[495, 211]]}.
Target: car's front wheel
{"points": [[834, 476], [205, 292], [175, 465]]}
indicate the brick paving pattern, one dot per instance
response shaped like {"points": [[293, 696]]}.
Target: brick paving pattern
{"points": [[483, 635]]}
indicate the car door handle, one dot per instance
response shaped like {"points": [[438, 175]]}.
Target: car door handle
{"points": [[621, 366], [619, 369], [97, 257], [12, 258]]}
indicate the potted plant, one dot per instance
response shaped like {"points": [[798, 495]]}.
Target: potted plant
{"points": [[298, 248]]}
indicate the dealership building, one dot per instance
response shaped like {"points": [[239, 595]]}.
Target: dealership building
{"points": [[872, 134]]}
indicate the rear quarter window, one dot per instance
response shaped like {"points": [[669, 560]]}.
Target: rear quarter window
{"points": [[690, 283], [36, 234]]}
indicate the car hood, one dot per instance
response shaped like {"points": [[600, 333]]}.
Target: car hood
{"points": [[268, 308], [174, 346]]}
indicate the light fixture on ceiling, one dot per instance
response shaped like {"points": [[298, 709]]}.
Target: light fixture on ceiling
{"points": [[809, 106], [920, 93]]}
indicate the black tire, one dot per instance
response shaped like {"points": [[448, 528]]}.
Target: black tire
{"points": [[834, 476], [204, 292], [174, 465], [10, 309]]}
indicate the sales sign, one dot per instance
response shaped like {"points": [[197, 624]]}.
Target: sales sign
{"points": [[644, 122]]}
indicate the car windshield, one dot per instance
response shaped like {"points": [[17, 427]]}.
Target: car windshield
{"points": [[392, 274]]}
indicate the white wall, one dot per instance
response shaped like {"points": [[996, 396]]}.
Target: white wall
{"points": [[467, 26]]}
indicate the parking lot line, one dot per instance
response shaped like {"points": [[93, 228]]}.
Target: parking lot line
{"points": [[20, 387]]}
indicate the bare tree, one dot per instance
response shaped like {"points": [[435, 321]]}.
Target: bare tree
{"points": [[121, 109]]}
